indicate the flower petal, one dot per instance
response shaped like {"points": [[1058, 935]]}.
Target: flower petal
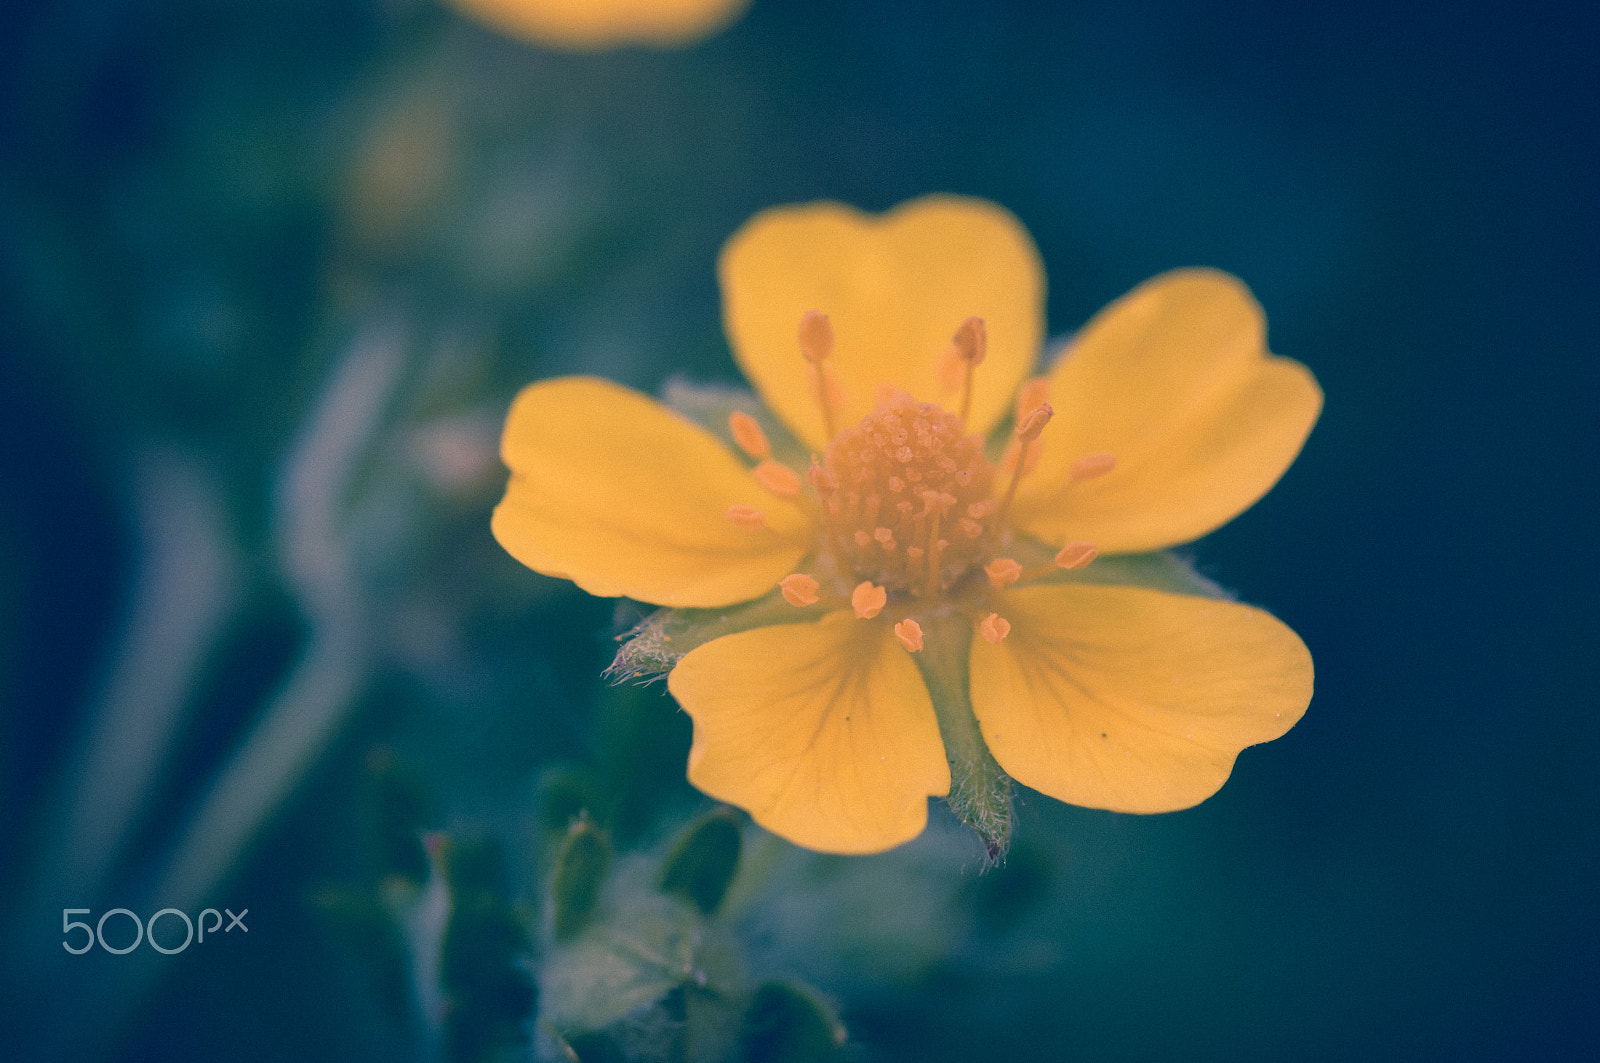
{"points": [[823, 732], [1174, 381], [1131, 699], [896, 287], [591, 24], [624, 497]]}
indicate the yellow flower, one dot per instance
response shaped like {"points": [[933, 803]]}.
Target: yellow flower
{"points": [[961, 574], [593, 24]]}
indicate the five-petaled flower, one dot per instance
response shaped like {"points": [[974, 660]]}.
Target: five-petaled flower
{"points": [[951, 581]]}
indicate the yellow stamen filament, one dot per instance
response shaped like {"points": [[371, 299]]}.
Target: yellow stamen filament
{"points": [[748, 434], [779, 479], [1002, 572], [994, 628], [746, 517], [1076, 555], [868, 600], [799, 590], [909, 632], [1015, 450], [971, 345], [1090, 466]]}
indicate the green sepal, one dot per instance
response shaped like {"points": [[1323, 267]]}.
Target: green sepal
{"points": [[1158, 570], [789, 1023], [710, 404], [655, 645], [580, 871], [702, 864], [980, 793]]}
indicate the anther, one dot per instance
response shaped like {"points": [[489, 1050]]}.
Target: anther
{"points": [[868, 600], [1034, 392], [1076, 555], [779, 479], [748, 434], [1090, 466], [909, 632], [799, 590], [994, 628], [746, 517], [1002, 572], [816, 336], [968, 347], [1029, 427]]}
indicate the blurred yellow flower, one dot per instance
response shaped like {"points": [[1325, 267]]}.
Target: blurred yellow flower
{"points": [[923, 580], [594, 24]]}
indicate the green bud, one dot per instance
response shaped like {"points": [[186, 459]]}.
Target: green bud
{"points": [[789, 1023], [703, 862], [581, 865]]}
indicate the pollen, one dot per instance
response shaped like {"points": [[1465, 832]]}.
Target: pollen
{"points": [[994, 628], [906, 497], [868, 600], [799, 590], [909, 632], [746, 517], [748, 434]]}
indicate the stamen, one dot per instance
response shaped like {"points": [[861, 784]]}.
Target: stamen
{"points": [[779, 479], [994, 628], [816, 344], [799, 590], [1029, 427], [971, 345], [1027, 434], [1090, 466], [909, 632], [868, 600], [748, 434], [746, 517], [1002, 572], [1076, 555]]}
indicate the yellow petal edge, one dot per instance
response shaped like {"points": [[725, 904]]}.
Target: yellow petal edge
{"points": [[583, 25], [624, 497], [1175, 382], [823, 732], [896, 287], [1133, 700]]}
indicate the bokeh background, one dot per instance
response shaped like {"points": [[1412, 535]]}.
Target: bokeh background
{"points": [[270, 274]]}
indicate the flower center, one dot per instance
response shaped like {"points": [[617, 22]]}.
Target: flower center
{"points": [[906, 497]]}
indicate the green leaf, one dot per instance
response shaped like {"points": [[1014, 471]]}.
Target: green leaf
{"points": [[980, 793], [580, 871], [703, 863], [648, 946]]}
